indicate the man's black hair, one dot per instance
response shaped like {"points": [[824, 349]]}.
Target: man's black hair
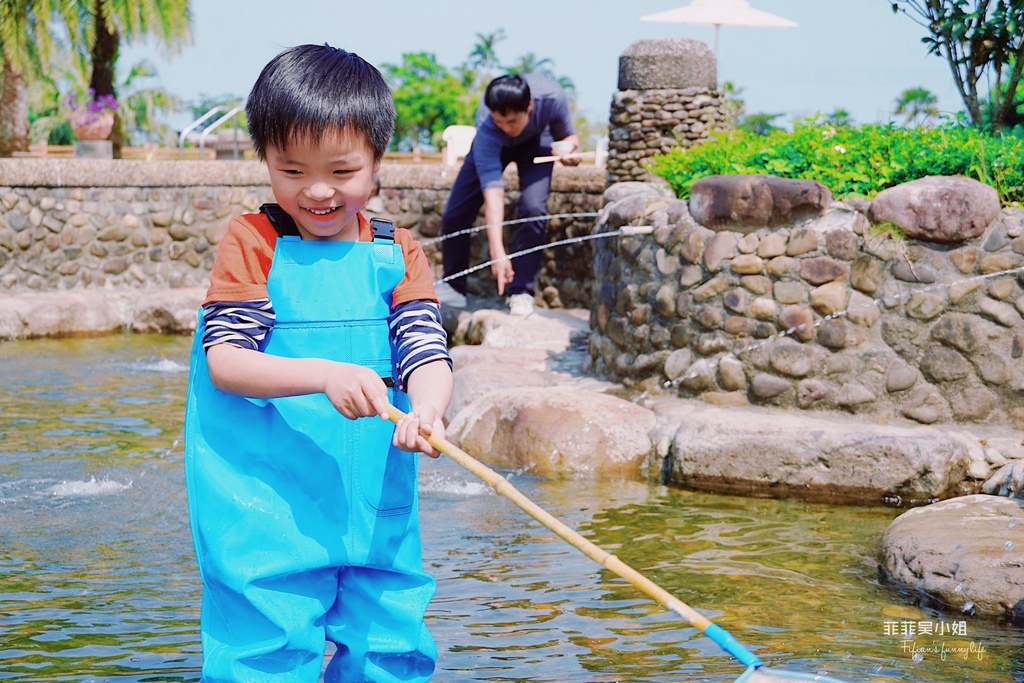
{"points": [[310, 91], [507, 94]]}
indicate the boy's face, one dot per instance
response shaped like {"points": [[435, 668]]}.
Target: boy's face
{"points": [[324, 185]]}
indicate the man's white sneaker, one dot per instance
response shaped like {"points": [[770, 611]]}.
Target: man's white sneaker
{"points": [[449, 296], [521, 304]]}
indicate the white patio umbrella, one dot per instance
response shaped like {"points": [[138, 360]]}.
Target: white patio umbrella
{"points": [[720, 13]]}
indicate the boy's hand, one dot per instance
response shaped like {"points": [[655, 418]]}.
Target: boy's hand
{"points": [[410, 430], [356, 391]]}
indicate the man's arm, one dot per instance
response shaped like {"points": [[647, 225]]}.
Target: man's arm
{"points": [[494, 216]]}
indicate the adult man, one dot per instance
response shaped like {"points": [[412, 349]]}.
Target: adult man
{"points": [[519, 119]]}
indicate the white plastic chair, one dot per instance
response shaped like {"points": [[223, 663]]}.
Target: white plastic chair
{"points": [[458, 140]]}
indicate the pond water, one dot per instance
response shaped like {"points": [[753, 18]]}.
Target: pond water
{"points": [[98, 581]]}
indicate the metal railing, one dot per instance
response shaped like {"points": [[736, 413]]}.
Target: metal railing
{"points": [[235, 111]]}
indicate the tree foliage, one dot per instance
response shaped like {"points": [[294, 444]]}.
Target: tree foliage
{"points": [[93, 30], [428, 99], [429, 96], [917, 107], [982, 41]]}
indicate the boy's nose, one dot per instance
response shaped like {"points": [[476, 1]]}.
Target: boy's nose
{"points": [[319, 190]]}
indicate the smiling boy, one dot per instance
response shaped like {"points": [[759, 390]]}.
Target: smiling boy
{"points": [[302, 496]]}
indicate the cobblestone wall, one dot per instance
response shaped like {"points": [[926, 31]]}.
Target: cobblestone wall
{"points": [[68, 224], [832, 313], [667, 98], [644, 123]]}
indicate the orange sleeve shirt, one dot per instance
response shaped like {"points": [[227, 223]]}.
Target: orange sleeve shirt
{"points": [[246, 253]]}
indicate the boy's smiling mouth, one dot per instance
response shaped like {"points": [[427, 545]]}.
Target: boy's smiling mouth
{"points": [[323, 212]]}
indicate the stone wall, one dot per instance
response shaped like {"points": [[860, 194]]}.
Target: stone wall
{"points": [[76, 223], [667, 98], [836, 312]]}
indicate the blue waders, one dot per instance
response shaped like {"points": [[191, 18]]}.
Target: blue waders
{"points": [[306, 523]]}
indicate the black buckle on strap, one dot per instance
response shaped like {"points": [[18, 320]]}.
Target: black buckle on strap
{"points": [[383, 228], [279, 218]]}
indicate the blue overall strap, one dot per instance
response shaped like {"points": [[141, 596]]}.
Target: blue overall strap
{"points": [[384, 247]]}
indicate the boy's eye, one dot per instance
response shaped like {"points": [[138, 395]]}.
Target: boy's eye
{"points": [[343, 171]]}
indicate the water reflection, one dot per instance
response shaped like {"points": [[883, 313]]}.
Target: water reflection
{"points": [[99, 583]]}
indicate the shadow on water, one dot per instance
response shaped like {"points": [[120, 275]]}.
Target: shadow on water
{"points": [[99, 583]]}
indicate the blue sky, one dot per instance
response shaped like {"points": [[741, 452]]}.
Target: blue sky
{"points": [[853, 54]]}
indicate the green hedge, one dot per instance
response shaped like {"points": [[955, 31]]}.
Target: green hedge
{"points": [[852, 160]]}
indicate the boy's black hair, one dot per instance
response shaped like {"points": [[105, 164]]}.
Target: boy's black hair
{"points": [[508, 93], [309, 91]]}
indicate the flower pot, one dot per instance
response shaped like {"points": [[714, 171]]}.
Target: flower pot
{"points": [[87, 125]]}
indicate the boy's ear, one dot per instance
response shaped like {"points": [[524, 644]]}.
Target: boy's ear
{"points": [[376, 165]]}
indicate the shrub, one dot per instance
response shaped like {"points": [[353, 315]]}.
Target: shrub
{"points": [[852, 160]]}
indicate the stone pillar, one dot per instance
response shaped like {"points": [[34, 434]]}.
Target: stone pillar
{"points": [[668, 97]]}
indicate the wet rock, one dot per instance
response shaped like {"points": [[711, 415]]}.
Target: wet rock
{"points": [[555, 433], [1008, 480], [964, 553], [478, 370], [833, 457]]}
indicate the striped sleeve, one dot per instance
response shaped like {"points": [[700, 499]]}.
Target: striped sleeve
{"points": [[242, 323], [418, 336]]}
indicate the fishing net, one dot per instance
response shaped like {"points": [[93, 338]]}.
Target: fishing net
{"points": [[767, 675]]}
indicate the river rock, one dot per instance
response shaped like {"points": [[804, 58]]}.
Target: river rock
{"points": [[965, 553], [829, 457], [944, 209], [745, 203], [556, 433], [478, 370], [28, 315]]}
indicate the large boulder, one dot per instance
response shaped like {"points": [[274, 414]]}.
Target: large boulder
{"points": [[943, 209], [966, 553], [745, 203], [79, 312], [556, 433], [479, 370], [825, 457]]}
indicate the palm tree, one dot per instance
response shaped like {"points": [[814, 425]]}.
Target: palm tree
{"points": [[26, 43], [483, 55], [917, 107], [105, 23]]}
